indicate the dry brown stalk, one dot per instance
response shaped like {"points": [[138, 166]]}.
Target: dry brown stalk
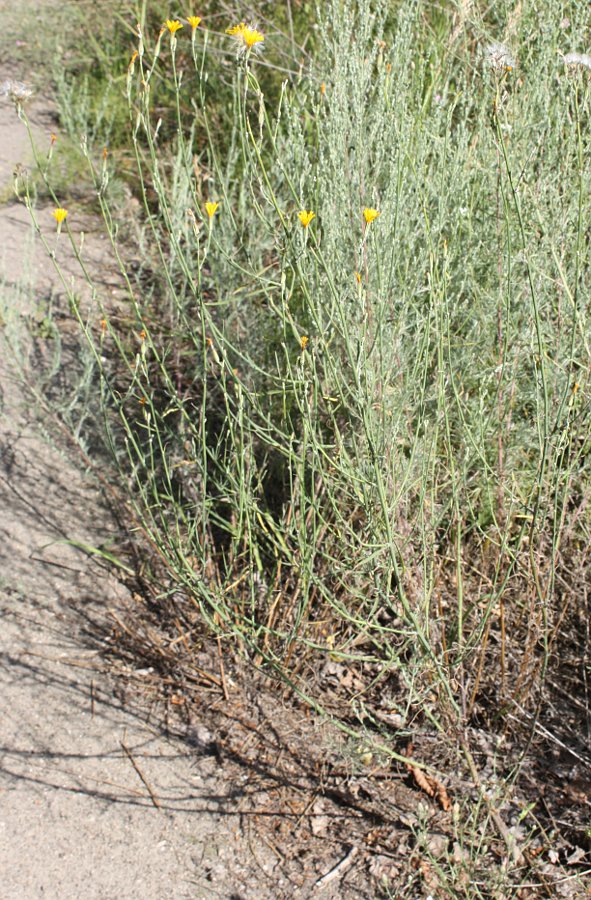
{"points": [[222, 670], [141, 775]]}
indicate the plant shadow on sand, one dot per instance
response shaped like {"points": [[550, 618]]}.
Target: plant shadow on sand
{"points": [[314, 799]]}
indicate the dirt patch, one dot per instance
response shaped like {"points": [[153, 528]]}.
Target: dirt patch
{"points": [[94, 801]]}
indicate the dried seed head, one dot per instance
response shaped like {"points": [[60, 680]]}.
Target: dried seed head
{"points": [[499, 58], [15, 91], [578, 59]]}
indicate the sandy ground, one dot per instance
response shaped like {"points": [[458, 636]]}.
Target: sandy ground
{"points": [[76, 818]]}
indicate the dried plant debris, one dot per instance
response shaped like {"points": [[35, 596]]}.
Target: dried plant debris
{"points": [[428, 783]]}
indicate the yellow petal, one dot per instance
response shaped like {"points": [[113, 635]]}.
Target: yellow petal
{"points": [[306, 217], [370, 214], [173, 25]]}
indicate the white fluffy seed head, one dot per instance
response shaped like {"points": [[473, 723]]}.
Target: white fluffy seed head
{"points": [[499, 57], [578, 59], [15, 90]]}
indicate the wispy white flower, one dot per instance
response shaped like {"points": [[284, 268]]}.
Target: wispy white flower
{"points": [[500, 58], [578, 59], [15, 90]]}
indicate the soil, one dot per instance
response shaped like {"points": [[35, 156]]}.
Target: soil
{"points": [[95, 801]]}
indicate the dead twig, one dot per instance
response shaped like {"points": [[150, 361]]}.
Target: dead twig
{"points": [[141, 776], [338, 869], [222, 671], [307, 809]]}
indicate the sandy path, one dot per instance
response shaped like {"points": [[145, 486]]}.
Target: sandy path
{"points": [[75, 818]]}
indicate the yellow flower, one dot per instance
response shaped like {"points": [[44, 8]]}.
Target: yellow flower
{"points": [[173, 25], [60, 215], [304, 342], [370, 214], [246, 36], [211, 208], [194, 21], [358, 277], [306, 217]]}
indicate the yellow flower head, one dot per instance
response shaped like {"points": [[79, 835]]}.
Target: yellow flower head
{"points": [[304, 342], [370, 214], [173, 25], [211, 208], [194, 21], [60, 215], [358, 277], [246, 36], [306, 217]]}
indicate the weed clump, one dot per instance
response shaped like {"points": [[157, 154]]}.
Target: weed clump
{"points": [[354, 430]]}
